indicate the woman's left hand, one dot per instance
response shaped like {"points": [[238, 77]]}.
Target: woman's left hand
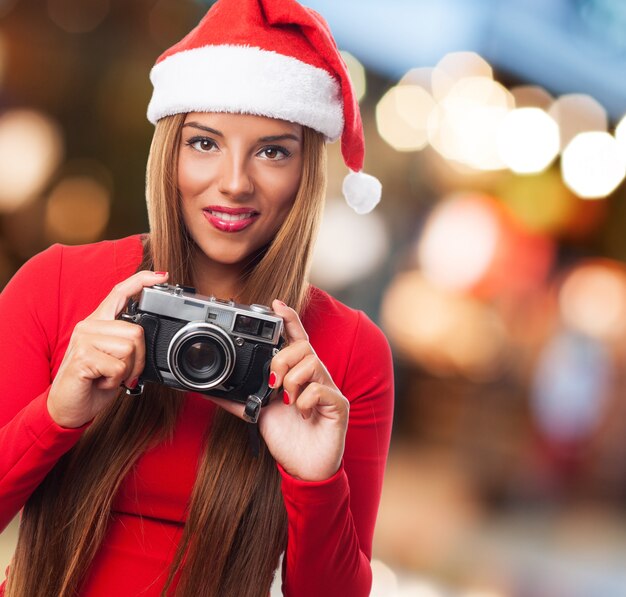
{"points": [[306, 432]]}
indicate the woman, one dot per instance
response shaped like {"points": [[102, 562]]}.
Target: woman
{"points": [[160, 494]]}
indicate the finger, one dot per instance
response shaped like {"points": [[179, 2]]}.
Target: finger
{"points": [[287, 358], [308, 370], [121, 339], [104, 369], [116, 300], [110, 327], [326, 401], [121, 349], [294, 330]]}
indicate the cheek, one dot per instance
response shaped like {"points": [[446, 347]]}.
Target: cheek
{"points": [[193, 177], [286, 190]]}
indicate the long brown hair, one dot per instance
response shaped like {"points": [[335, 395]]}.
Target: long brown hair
{"points": [[236, 523]]}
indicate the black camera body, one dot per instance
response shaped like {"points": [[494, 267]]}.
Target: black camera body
{"points": [[207, 345]]}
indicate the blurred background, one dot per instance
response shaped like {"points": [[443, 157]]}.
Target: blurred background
{"points": [[495, 262]]}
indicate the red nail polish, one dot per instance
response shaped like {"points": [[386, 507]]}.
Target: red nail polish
{"points": [[286, 397], [161, 273], [272, 380], [281, 303], [133, 384]]}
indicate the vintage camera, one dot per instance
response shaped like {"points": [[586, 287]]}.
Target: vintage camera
{"points": [[208, 345]]}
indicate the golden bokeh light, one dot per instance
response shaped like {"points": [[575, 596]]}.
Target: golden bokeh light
{"points": [[532, 96], [31, 148], [465, 124], [528, 140], [421, 76], [577, 113], [402, 117], [357, 75], [592, 299], [593, 165], [542, 203], [446, 333], [77, 210], [454, 67]]}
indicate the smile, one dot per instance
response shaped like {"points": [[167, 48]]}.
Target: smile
{"points": [[230, 220]]}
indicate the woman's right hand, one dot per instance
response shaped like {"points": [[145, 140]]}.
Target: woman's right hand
{"points": [[103, 353]]}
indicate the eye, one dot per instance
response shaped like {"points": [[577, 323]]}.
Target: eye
{"points": [[202, 144], [274, 153]]}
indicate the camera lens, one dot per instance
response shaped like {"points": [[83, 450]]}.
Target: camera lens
{"points": [[201, 356], [201, 360]]}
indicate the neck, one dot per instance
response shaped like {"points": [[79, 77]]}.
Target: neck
{"points": [[217, 279]]}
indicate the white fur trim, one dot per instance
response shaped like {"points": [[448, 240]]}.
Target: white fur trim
{"points": [[361, 191], [248, 80]]}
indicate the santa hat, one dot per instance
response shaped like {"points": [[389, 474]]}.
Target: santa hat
{"points": [[272, 58]]}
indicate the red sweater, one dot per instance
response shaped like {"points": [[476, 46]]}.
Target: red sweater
{"points": [[331, 523]]}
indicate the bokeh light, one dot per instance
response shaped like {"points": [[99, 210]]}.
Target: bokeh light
{"points": [[570, 386], [77, 210], [384, 580], [592, 299], [78, 16], [593, 165], [531, 96], [471, 243], [31, 148], [542, 203], [357, 74], [465, 123], [402, 117], [459, 242], [446, 333], [421, 76], [419, 588], [481, 593], [528, 140], [454, 67], [578, 113], [349, 246]]}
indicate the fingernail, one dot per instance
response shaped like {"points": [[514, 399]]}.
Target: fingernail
{"points": [[272, 379], [286, 397], [161, 273], [281, 303], [133, 384]]}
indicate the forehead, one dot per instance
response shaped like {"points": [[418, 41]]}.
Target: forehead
{"points": [[245, 124]]}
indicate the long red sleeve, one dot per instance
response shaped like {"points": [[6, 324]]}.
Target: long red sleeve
{"points": [[31, 441]]}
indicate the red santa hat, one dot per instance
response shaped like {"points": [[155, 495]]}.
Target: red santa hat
{"points": [[273, 58]]}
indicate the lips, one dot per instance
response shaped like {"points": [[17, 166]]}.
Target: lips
{"points": [[230, 219]]}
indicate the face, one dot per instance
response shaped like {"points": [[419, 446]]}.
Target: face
{"points": [[238, 175]]}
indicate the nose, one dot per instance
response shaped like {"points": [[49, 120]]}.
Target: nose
{"points": [[235, 180]]}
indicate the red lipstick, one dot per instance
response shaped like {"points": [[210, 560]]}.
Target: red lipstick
{"points": [[230, 219]]}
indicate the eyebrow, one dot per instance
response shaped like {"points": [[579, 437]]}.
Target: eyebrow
{"points": [[268, 139]]}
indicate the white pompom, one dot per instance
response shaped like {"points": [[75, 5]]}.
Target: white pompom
{"points": [[361, 191]]}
